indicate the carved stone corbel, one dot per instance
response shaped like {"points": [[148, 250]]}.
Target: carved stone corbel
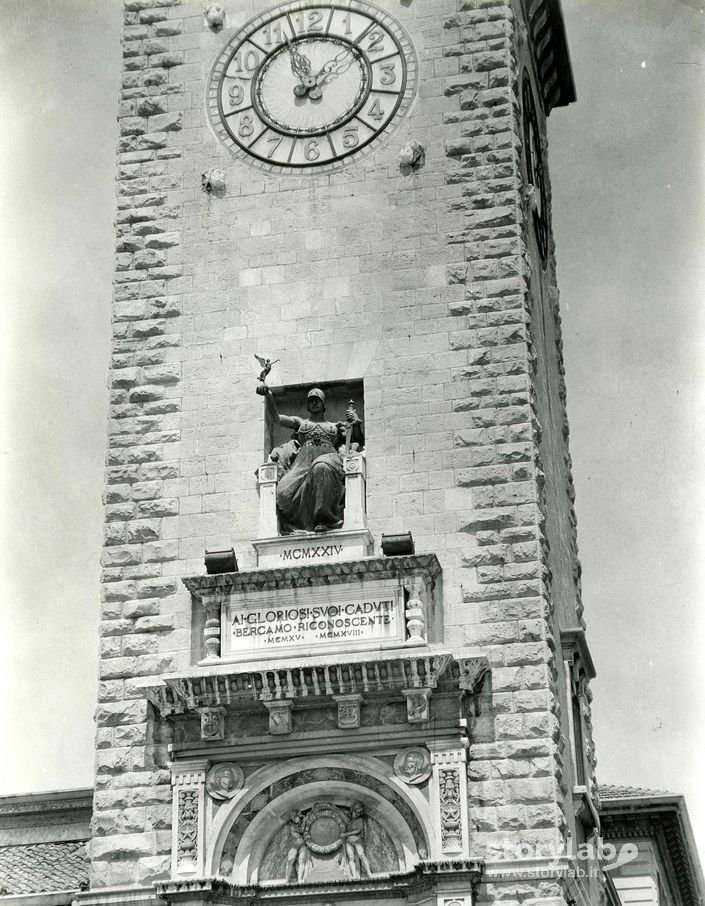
{"points": [[188, 817], [348, 711], [212, 723], [417, 705], [279, 716]]}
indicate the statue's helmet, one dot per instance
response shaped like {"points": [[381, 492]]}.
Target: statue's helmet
{"points": [[317, 392]]}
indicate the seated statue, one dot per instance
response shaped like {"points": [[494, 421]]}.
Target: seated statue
{"points": [[311, 488]]}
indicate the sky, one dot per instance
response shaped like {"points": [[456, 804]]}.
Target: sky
{"points": [[627, 166]]}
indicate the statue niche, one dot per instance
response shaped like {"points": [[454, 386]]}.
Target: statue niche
{"points": [[311, 463], [329, 841]]}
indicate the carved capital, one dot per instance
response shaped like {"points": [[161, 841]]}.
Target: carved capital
{"points": [[267, 474]]}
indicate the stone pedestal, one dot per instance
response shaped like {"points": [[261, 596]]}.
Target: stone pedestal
{"points": [[326, 547]]}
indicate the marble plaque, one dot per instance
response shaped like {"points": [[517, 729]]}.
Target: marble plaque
{"points": [[343, 617]]}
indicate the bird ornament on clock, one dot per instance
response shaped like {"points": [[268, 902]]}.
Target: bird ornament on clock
{"points": [[312, 84]]}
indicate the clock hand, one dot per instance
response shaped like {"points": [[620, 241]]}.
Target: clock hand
{"points": [[301, 67], [333, 68]]}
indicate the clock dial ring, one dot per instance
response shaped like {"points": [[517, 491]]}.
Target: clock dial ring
{"points": [[380, 49], [278, 122]]}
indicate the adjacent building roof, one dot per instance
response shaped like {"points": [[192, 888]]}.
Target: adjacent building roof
{"points": [[43, 867], [611, 791], [43, 840]]}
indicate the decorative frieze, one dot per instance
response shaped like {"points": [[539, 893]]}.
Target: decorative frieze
{"points": [[408, 673]]}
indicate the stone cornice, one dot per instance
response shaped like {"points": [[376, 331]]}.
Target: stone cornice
{"points": [[550, 53], [425, 565], [388, 672], [664, 819], [574, 639], [40, 803], [426, 876]]}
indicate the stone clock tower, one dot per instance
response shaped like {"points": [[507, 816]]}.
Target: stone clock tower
{"points": [[337, 377]]}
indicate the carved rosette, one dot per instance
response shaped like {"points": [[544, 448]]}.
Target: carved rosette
{"points": [[188, 817]]}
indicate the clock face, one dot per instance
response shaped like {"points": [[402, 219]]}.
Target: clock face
{"points": [[312, 85], [535, 167]]}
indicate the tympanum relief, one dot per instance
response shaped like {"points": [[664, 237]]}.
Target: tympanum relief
{"points": [[326, 842]]}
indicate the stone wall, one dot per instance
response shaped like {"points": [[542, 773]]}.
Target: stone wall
{"points": [[418, 284]]}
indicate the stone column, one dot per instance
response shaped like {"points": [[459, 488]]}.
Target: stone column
{"points": [[267, 486], [449, 796], [355, 515], [212, 642], [188, 781]]}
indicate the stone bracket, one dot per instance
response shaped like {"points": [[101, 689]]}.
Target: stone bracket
{"points": [[348, 710], [417, 705], [279, 716], [188, 780]]}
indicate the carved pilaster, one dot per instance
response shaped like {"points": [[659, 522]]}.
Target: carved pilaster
{"points": [[450, 799], [188, 818], [355, 515], [267, 478]]}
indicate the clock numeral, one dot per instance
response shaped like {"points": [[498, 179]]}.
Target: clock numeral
{"points": [[347, 21], [273, 34], [375, 112], [351, 137], [247, 126], [315, 20], [311, 150], [250, 60], [389, 74], [276, 140], [236, 94], [376, 38]]}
